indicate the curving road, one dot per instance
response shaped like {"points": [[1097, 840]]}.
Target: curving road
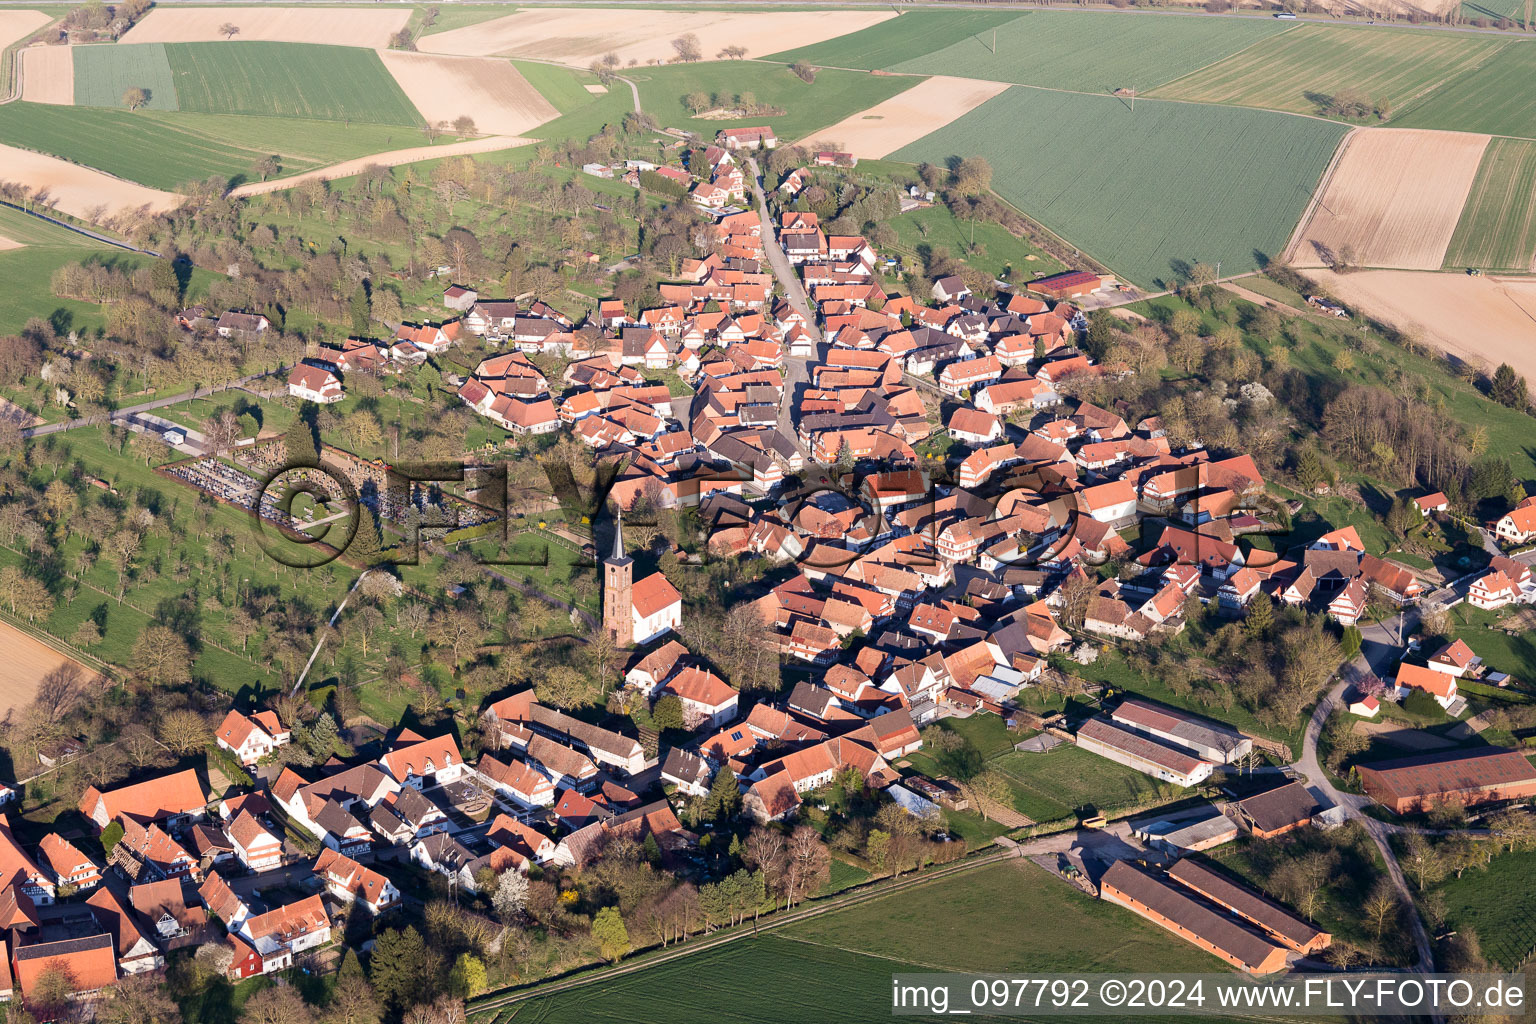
{"points": [[128, 411]]}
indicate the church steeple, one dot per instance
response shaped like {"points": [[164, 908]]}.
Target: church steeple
{"points": [[618, 579], [618, 538]]}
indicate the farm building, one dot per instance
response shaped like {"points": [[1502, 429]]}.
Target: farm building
{"points": [[1105, 738], [1069, 285], [1473, 776], [1280, 924], [1277, 811], [1165, 904], [1210, 740]]}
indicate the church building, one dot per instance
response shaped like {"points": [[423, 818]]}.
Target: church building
{"points": [[636, 613]]}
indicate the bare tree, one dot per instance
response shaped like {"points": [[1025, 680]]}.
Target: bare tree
{"points": [[688, 48], [229, 30], [135, 97]]}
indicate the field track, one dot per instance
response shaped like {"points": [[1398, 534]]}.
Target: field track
{"points": [[27, 660], [335, 25], [48, 74], [1392, 199], [491, 91], [348, 168], [578, 37], [908, 116]]}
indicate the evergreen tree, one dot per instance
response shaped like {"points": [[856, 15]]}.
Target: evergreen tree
{"points": [[724, 798], [360, 311], [398, 968], [1260, 616], [366, 548], [299, 443], [1508, 387]]}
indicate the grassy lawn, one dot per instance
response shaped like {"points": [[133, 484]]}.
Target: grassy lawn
{"points": [[909, 36], [842, 877], [1145, 193], [951, 925], [1301, 69], [1498, 96], [997, 252], [1497, 229], [1079, 781], [1499, 650], [808, 107], [329, 83], [1499, 903], [1047, 48]]}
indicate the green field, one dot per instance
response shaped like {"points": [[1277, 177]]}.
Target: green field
{"points": [[1004, 917], [1096, 52], [167, 149], [903, 38], [1498, 904], [564, 88], [1497, 229], [104, 73], [459, 17], [997, 251], [1299, 70], [1143, 191], [808, 107], [26, 271], [1498, 97], [330, 83]]}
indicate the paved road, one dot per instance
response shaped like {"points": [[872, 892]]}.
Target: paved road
{"points": [[129, 411], [797, 374]]}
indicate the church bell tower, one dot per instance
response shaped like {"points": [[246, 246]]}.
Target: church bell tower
{"points": [[618, 580]]}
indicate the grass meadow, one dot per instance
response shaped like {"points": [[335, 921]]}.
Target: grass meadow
{"points": [[564, 88], [1064, 781], [26, 272], [909, 36], [1497, 229], [1499, 904], [104, 73], [1145, 192], [808, 106], [1095, 52], [1299, 70], [1003, 917], [997, 250], [1498, 96], [329, 83], [165, 149]]}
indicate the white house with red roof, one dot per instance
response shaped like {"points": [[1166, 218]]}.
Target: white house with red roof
{"points": [[656, 607], [1492, 591], [315, 384], [255, 845], [251, 737], [424, 763], [277, 935], [1518, 525], [68, 864], [1438, 685], [707, 699], [747, 138], [1454, 659], [350, 882], [516, 780]]}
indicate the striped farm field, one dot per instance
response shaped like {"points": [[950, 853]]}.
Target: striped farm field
{"points": [[1095, 52], [1498, 97], [1497, 230], [104, 73], [910, 35], [1392, 199], [165, 150], [1301, 69], [1151, 191], [308, 80]]}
